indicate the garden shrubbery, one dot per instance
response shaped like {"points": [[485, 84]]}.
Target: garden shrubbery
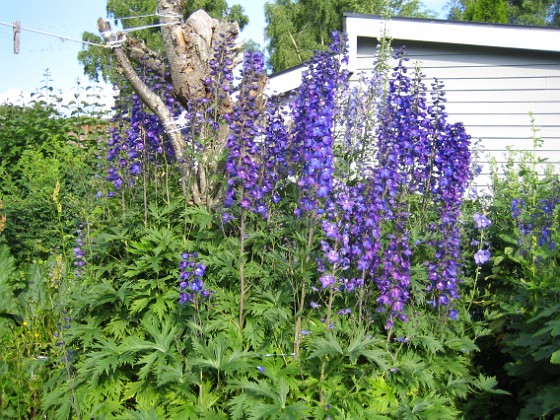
{"points": [[339, 270]]}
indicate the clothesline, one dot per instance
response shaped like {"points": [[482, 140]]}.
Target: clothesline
{"points": [[65, 38]]}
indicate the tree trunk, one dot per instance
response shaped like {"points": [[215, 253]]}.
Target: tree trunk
{"points": [[188, 48]]}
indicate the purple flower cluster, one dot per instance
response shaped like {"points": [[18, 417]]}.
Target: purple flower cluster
{"points": [[191, 275], [481, 221], [79, 253], [449, 180], [312, 137], [482, 256], [536, 221], [367, 222], [398, 150], [219, 82], [137, 136], [242, 165]]}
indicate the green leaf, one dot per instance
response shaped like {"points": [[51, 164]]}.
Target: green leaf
{"points": [[363, 345], [429, 343], [238, 406], [325, 346], [555, 358]]}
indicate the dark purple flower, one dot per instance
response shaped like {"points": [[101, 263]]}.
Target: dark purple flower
{"points": [[191, 273], [242, 164]]}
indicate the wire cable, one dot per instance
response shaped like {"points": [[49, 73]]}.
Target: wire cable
{"points": [[61, 37]]}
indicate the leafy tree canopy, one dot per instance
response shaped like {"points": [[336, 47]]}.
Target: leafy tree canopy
{"points": [[517, 12], [297, 28], [97, 62], [490, 11]]}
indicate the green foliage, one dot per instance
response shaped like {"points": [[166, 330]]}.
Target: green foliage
{"points": [[296, 29], [43, 146], [490, 11], [112, 341], [524, 283], [518, 12]]}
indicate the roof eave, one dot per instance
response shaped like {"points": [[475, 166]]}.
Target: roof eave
{"points": [[533, 38]]}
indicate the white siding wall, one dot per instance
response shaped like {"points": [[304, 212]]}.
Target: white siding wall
{"points": [[491, 91]]}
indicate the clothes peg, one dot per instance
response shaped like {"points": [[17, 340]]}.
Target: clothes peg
{"points": [[17, 33]]}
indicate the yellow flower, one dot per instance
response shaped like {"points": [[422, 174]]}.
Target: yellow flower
{"points": [[25, 323]]}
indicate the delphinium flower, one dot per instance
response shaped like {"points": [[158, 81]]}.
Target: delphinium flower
{"points": [[220, 80], [276, 166], [137, 136], [354, 215], [401, 146], [243, 162], [449, 179], [481, 222], [482, 256], [366, 222], [79, 253], [313, 128], [544, 217], [535, 221], [191, 273]]}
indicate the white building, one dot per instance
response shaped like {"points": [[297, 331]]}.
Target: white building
{"points": [[494, 75]]}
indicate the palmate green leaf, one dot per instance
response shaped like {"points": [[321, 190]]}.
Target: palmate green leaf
{"points": [[198, 216], [178, 375], [139, 304], [542, 404], [463, 344], [106, 358], [362, 345], [238, 406], [276, 390], [220, 355], [432, 407], [162, 307], [206, 398], [254, 334], [428, 342], [545, 313], [8, 307], [162, 213], [150, 414], [529, 340], [260, 410], [295, 411], [488, 384], [147, 362], [552, 328], [104, 292], [8, 272], [118, 327], [325, 346]]}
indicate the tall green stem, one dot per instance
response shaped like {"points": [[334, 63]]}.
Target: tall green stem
{"points": [[301, 303], [241, 267]]}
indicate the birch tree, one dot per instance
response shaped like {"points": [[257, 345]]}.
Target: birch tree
{"points": [[188, 50]]}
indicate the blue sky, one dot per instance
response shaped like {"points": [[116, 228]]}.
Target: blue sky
{"points": [[24, 72]]}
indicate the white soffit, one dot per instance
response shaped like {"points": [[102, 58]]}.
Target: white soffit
{"points": [[449, 32]]}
